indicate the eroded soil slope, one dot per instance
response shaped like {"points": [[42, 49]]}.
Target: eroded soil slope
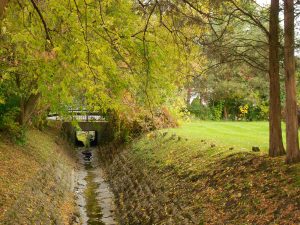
{"points": [[35, 181], [153, 187]]}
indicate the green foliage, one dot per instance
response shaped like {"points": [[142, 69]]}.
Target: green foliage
{"points": [[9, 112], [97, 58], [237, 74], [257, 112], [217, 110], [12, 128], [200, 111], [127, 126]]}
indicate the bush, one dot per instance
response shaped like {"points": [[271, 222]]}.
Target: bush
{"points": [[9, 112], [236, 109], [257, 113], [126, 126], [9, 125], [217, 111], [200, 111]]}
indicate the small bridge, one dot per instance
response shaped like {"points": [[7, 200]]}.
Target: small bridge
{"points": [[83, 120]]}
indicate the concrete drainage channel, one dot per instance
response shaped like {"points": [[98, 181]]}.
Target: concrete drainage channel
{"points": [[94, 198]]}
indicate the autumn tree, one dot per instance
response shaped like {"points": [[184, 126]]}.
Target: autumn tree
{"points": [[55, 54]]}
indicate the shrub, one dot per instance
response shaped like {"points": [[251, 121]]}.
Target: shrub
{"points": [[9, 125], [217, 111], [200, 111], [126, 126]]}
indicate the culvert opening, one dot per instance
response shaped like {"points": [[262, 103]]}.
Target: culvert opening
{"points": [[86, 138]]}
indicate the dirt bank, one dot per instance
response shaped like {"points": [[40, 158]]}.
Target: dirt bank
{"points": [[36, 180], [239, 188], [145, 195]]}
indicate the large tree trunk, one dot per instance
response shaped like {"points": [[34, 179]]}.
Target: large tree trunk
{"points": [[27, 107], [275, 133], [3, 4], [292, 142]]}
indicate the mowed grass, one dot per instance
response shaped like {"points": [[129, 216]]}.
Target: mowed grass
{"points": [[193, 146], [241, 135]]}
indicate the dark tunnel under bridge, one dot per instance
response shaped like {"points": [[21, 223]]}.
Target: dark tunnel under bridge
{"points": [[101, 129]]}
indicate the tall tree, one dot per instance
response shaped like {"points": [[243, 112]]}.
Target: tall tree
{"points": [[275, 133], [246, 49], [292, 140], [54, 54], [3, 4]]}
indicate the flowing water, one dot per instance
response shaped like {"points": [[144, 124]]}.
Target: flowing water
{"points": [[93, 195]]}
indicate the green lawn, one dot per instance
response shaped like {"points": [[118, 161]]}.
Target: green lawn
{"points": [[194, 145], [242, 135]]}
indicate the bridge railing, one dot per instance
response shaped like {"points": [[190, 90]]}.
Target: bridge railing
{"points": [[77, 115]]}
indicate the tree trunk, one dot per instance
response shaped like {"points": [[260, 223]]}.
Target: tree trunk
{"points": [[3, 4], [27, 108], [275, 133], [292, 141], [188, 97], [225, 112]]}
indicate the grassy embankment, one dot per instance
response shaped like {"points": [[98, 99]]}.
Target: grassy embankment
{"points": [[35, 180], [219, 174]]}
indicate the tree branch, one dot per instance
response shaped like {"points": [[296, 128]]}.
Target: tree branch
{"points": [[48, 38]]}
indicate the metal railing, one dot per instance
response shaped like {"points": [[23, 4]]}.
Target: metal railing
{"points": [[77, 115]]}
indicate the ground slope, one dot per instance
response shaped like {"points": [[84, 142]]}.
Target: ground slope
{"points": [[166, 178], [35, 180]]}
